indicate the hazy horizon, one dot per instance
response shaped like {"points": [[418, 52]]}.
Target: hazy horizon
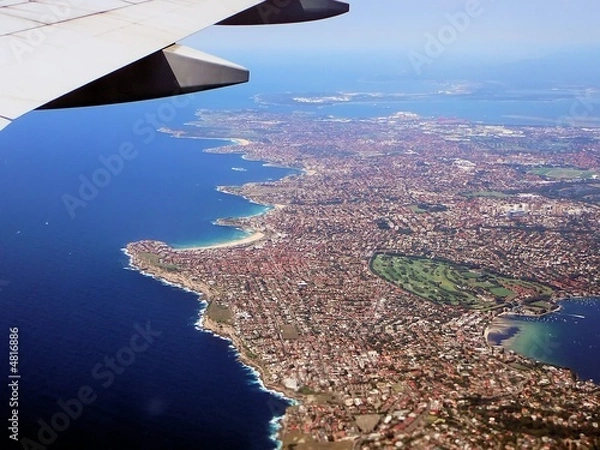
{"points": [[509, 30]]}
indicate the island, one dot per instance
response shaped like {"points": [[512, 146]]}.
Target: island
{"points": [[366, 294]]}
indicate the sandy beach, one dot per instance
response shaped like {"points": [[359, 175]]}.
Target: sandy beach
{"points": [[252, 239], [500, 326], [240, 141]]}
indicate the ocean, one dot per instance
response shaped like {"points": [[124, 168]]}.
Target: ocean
{"points": [[66, 286], [75, 187]]}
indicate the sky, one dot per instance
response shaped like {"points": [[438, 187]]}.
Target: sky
{"points": [[493, 29]]}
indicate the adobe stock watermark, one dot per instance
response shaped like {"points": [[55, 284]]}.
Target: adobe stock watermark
{"points": [[30, 40], [113, 165], [437, 43], [104, 373]]}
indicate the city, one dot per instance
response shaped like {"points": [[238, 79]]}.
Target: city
{"points": [[370, 364]]}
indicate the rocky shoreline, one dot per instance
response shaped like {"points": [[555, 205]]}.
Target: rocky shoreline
{"points": [[220, 329]]}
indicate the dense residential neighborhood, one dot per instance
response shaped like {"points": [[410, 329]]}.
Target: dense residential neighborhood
{"points": [[372, 365]]}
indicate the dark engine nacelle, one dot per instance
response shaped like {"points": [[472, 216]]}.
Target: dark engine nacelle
{"points": [[288, 11]]}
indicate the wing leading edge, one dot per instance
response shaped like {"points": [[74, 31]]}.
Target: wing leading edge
{"points": [[65, 53]]}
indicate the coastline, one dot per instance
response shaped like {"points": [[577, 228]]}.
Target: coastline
{"points": [[177, 134], [499, 327], [227, 332], [254, 238], [224, 266], [203, 290], [503, 324], [240, 141], [223, 331]]}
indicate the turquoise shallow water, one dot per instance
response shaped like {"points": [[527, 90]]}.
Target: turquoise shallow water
{"points": [[568, 338]]}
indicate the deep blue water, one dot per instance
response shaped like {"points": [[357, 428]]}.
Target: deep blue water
{"points": [[66, 288]]}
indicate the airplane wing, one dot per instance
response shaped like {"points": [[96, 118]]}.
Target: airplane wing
{"points": [[67, 53]]}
